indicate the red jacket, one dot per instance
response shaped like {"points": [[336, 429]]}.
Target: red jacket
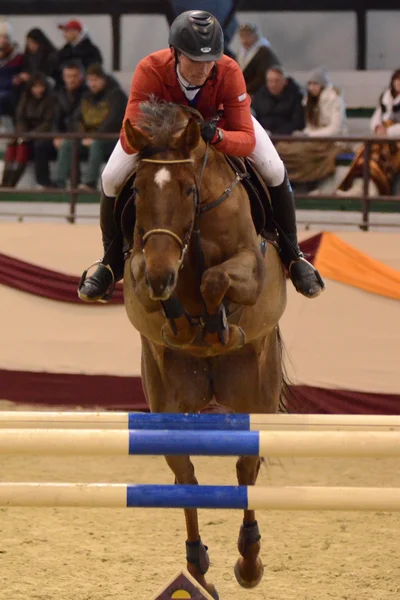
{"points": [[156, 75]]}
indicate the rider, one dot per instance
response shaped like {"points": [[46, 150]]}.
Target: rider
{"points": [[194, 71]]}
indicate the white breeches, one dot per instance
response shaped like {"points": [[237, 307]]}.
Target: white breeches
{"points": [[121, 165]]}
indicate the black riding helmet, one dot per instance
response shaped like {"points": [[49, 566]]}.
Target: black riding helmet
{"points": [[198, 35]]}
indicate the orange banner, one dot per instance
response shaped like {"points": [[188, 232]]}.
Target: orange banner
{"points": [[341, 262]]}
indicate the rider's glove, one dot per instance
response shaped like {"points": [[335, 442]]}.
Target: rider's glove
{"points": [[208, 130]]}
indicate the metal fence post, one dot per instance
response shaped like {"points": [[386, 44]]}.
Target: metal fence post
{"points": [[365, 196], [74, 180]]}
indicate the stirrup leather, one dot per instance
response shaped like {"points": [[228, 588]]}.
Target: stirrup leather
{"points": [[111, 288]]}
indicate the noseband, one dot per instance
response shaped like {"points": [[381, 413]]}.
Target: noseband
{"points": [[199, 208], [183, 244]]}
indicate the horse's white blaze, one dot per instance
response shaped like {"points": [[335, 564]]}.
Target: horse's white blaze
{"points": [[162, 176]]}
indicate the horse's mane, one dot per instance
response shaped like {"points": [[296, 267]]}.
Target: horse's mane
{"points": [[161, 121]]}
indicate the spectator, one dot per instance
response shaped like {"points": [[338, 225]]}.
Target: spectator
{"points": [[384, 159], [68, 100], [35, 113], [255, 56], [79, 46], [325, 107], [278, 105], [39, 56], [101, 109], [10, 67], [325, 113]]}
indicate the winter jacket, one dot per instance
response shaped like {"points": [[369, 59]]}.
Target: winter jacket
{"points": [[281, 114], [84, 51], [388, 110], [10, 65], [35, 115], [68, 104], [256, 68], [225, 88], [102, 112], [332, 114], [43, 62]]}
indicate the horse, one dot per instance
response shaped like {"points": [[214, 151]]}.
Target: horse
{"points": [[206, 294]]}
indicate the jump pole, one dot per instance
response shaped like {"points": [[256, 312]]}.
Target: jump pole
{"points": [[107, 495], [224, 422], [301, 444]]}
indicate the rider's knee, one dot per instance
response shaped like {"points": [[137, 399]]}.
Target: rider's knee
{"points": [[276, 172], [108, 183]]}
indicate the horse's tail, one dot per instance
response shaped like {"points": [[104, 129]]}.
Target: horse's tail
{"points": [[289, 401]]}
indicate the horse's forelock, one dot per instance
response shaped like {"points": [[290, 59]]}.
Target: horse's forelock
{"points": [[161, 121]]}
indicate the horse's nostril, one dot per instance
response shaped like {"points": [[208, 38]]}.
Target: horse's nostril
{"points": [[160, 284]]}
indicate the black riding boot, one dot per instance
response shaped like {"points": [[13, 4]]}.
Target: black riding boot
{"points": [[304, 276], [18, 170], [100, 286], [8, 174]]}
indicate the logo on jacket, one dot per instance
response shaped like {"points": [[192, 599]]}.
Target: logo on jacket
{"points": [[206, 50]]}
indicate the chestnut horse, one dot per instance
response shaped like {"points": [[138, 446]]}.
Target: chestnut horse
{"points": [[205, 296]]}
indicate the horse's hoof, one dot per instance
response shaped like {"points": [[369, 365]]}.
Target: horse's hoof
{"points": [[252, 577], [177, 342], [210, 588]]}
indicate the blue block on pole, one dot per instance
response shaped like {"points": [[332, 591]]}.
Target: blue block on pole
{"points": [[187, 496], [196, 443], [229, 422]]}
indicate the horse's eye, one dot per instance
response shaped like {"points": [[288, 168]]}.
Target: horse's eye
{"points": [[190, 190], [135, 191]]}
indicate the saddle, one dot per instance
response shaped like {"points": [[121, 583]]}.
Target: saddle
{"points": [[257, 191]]}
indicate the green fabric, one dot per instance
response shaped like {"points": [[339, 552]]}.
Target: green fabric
{"points": [[98, 153]]}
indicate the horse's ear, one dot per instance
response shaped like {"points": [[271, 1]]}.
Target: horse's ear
{"points": [[189, 138], [136, 138]]}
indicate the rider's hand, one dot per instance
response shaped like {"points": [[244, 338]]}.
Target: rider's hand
{"points": [[208, 130]]}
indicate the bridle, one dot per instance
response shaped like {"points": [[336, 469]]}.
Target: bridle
{"points": [[199, 209], [182, 243]]}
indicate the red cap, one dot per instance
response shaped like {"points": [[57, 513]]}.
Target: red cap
{"points": [[74, 24]]}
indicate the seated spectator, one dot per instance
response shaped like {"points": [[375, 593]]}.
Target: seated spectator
{"points": [[255, 56], [68, 98], [325, 114], [101, 110], [79, 46], [278, 105], [325, 106], [10, 68], [35, 113], [384, 159], [40, 56]]}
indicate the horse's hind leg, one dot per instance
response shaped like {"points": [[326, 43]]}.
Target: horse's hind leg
{"points": [[249, 568], [250, 381], [196, 553], [177, 382]]}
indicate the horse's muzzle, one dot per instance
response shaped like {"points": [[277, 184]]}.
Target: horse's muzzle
{"points": [[162, 285]]}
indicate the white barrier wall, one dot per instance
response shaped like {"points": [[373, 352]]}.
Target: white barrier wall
{"points": [[383, 39], [99, 27], [302, 40]]}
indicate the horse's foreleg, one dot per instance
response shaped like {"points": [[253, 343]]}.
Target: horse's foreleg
{"points": [[196, 553], [249, 568], [239, 279]]}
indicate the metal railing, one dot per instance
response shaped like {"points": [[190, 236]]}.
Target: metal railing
{"points": [[73, 191]]}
